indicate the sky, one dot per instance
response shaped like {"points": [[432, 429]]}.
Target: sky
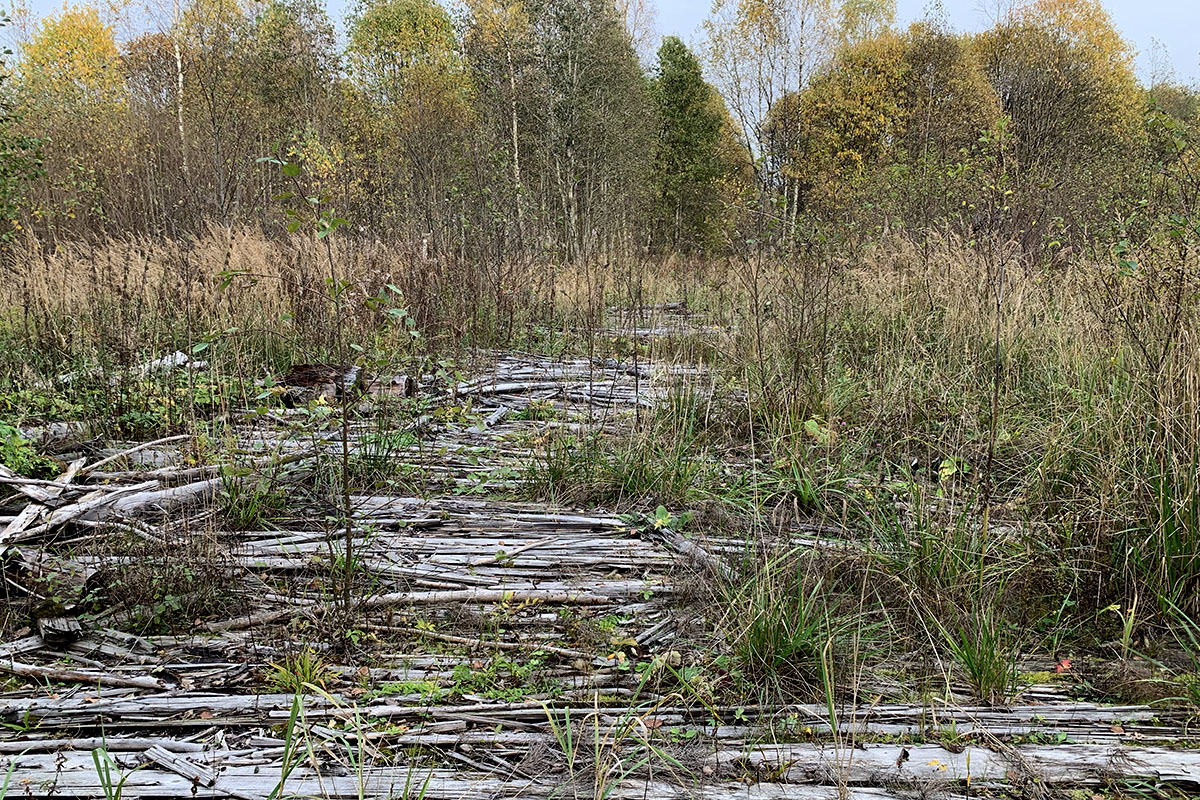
{"points": [[1172, 24]]}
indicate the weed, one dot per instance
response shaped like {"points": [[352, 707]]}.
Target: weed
{"points": [[20, 456], [300, 672], [110, 775], [982, 646], [501, 678], [538, 411], [248, 501], [783, 626], [293, 748], [596, 753]]}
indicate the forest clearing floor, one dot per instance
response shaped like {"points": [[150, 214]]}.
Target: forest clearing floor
{"points": [[192, 637]]}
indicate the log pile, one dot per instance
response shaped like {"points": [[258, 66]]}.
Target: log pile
{"points": [[482, 629]]}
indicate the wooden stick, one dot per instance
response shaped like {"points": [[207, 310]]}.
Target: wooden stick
{"points": [[496, 559], [87, 503], [112, 743]]}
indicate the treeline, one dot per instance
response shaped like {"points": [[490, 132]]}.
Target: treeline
{"points": [[536, 129]]}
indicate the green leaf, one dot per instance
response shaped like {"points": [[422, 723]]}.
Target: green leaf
{"points": [[818, 431]]}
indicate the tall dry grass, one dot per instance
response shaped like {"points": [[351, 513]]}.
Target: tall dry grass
{"points": [[126, 301], [1088, 425]]}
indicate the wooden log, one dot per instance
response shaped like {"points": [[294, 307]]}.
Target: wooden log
{"points": [[975, 765], [496, 416], [191, 474], [116, 744], [34, 510], [80, 676], [484, 643], [196, 773], [39, 776], [167, 499], [477, 596], [125, 453], [25, 645], [87, 504], [71, 774], [60, 630]]}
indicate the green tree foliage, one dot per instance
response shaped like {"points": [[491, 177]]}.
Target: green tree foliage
{"points": [[688, 160], [594, 135], [408, 109], [20, 158], [1065, 78], [72, 96], [499, 51], [293, 43], [222, 118], [948, 98], [531, 127]]}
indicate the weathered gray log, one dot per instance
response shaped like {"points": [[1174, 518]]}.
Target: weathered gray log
{"points": [[32, 511], [975, 765], [477, 596], [87, 677], [196, 773], [60, 630], [73, 775], [89, 503], [116, 744], [167, 499], [130, 451], [25, 645]]}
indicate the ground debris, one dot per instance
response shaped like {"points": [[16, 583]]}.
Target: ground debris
{"points": [[483, 627]]}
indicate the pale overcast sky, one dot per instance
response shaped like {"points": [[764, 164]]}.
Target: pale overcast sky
{"points": [[1175, 24]]}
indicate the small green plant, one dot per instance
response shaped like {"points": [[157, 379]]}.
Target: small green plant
{"points": [[783, 624], [538, 411], [428, 690], [378, 459], [982, 646], [248, 501], [598, 756], [300, 672], [8, 776], [20, 456], [109, 774], [1129, 618], [293, 748], [504, 679]]}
